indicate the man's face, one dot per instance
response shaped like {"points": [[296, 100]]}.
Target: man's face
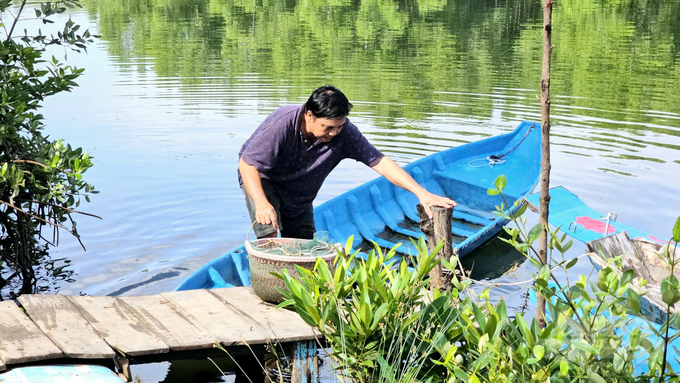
{"points": [[323, 129]]}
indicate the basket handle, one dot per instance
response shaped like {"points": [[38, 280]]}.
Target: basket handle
{"points": [[278, 231]]}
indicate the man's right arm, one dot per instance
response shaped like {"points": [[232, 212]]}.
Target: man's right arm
{"points": [[265, 214]]}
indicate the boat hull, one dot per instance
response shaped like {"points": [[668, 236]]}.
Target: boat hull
{"points": [[608, 239]]}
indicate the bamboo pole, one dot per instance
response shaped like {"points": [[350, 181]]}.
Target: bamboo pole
{"points": [[545, 164]]}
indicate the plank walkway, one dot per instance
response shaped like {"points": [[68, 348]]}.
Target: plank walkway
{"points": [[54, 327]]}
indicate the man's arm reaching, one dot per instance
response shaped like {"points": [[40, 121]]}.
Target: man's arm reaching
{"points": [[398, 176]]}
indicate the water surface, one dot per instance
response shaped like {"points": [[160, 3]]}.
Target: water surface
{"points": [[173, 88]]}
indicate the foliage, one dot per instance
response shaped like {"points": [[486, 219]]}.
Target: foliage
{"points": [[382, 326], [371, 314], [41, 178], [587, 338]]}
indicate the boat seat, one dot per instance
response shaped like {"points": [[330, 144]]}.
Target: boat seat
{"points": [[358, 220]]}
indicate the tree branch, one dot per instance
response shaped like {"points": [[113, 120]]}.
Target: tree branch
{"points": [[61, 207], [33, 215], [16, 20]]}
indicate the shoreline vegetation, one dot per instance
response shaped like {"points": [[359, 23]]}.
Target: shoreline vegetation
{"points": [[381, 327], [41, 180]]}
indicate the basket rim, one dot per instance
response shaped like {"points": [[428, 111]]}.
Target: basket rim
{"points": [[288, 258]]}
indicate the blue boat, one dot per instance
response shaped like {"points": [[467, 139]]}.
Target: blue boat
{"points": [[381, 213], [606, 239], [581, 222], [60, 374]]}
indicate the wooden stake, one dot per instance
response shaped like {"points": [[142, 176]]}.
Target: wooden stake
{"points": [[545, 164], [123, 365], [437, 229], [305, 363]]}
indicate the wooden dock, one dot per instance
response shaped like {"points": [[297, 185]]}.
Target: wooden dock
{"points": [[143, 329]]}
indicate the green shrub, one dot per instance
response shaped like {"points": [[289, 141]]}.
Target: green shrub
{"points": [[383, 326], [376, 319], [40, 178]]}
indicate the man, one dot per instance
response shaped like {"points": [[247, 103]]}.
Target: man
{"points": [[284, 163]]}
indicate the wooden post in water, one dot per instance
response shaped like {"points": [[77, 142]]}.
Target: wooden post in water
{"points": [[305, 363], [437, 229]]}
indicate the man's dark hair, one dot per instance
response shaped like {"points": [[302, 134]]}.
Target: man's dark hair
{"points": [[328, 102]]}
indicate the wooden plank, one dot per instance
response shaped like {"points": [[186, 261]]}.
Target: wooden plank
{"points": [[620, 244], [281, 325], [119, 326], [22, 341], [172, 325], [656, 265], [61, 321], [217, 318]]}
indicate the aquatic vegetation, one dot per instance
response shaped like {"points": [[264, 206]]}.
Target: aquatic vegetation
{"points": [[382, 325]]}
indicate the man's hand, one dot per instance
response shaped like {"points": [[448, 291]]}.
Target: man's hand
{"points": [[428, 200], [398, 176], [265, 214]]}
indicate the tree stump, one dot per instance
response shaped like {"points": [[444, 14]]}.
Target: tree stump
{"points": [[438, 229]]}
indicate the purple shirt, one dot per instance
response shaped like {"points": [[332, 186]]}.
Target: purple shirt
{"points": [[281, 153]]}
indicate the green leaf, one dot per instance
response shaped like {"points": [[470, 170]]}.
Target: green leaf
{"points": [[671, 297], [366, 316], [500, 182], [539, 351], [286, 303], [519, 212], [571, 263], [633, 301], [460, 374], [596, 378], [534, 233], [627, 276], [348, 244], [564, 367], [676, 230], [585, 347], [567, 246]]}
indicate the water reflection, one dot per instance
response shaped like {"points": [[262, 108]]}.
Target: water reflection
{"points": [[49, 274], [607, 55]]}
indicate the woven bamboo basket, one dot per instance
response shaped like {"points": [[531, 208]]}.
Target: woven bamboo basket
{"points": [[262, 264]]}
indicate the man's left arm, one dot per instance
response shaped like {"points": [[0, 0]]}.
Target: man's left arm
{"points": [[398, 176]]}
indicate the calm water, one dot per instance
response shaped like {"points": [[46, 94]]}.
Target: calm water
{"points": [[173, 88]]}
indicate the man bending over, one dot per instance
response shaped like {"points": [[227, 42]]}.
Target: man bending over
{"points": [[284, 163]]}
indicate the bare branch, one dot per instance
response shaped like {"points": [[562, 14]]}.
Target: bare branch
{"points": [[61, 207], [32, 215], [16, 19]]}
